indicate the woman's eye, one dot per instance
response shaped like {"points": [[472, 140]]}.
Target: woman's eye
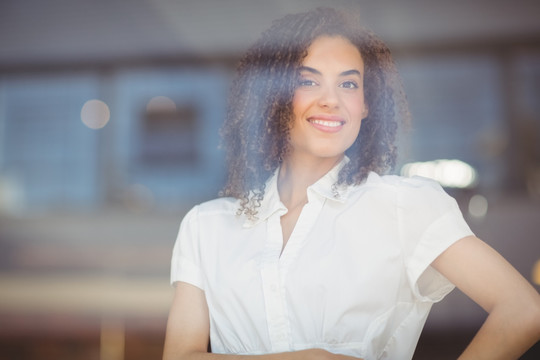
{"points": [[306, 82], [349, 85]]}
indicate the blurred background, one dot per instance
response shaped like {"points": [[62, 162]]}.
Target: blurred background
{"points": [[109, 118]]}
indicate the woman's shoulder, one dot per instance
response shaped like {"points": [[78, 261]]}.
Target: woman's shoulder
{"points": [[224, 206], [406, 191], [398, 182], [412, 193]]}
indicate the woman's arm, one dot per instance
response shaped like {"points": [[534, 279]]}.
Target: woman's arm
{"points": [[188, 331], [513, 305], [188, 325]]}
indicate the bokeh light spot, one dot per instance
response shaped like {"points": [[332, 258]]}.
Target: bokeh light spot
{"points": [[449, 173], [478, 206], [95, 114], [161, 104]]}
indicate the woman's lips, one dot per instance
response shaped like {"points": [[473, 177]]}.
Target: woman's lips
{"points": [[327, 123]]}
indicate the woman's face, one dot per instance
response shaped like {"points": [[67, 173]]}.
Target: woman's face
{"points": [[328, 103]]}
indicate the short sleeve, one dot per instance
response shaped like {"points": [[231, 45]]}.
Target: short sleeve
{"points": [[430, 222], [185, 263]]}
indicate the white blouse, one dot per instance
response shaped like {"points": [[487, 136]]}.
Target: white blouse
{"points": [[354, 277]]}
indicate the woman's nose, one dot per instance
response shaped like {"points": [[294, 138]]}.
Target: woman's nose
{"points": [[328, 97]]}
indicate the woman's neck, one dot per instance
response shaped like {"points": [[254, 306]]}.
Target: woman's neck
{"points": [[297, 174]]}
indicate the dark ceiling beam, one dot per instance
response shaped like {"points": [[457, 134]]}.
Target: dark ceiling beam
{"points": [[489, 46]]}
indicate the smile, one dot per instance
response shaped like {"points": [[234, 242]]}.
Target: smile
{"points": [[327, 123]]}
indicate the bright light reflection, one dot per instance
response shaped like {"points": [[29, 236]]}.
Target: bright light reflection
{"points": [[536, 273], [478, 206], [95, 114], [449, 173], [11, 194], [112, 339], [161, 104]]}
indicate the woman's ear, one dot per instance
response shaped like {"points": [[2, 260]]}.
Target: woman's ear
{"points": [[365, 112]]}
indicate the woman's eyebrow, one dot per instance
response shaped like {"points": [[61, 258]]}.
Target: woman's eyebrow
{"points": [[351, 72], [310, 69], [317, 72]]}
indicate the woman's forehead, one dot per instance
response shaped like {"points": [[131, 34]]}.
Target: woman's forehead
{"points": [[333, 50]]}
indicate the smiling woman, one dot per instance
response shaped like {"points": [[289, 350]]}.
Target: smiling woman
{"points": [[256, 130], [328, 105], [313, 252]]}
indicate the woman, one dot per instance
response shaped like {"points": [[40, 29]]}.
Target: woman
{"points": [[311, 254]]}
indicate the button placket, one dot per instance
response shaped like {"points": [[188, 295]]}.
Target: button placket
{"points": [[299, 236], [274, 268], [278, 325]]}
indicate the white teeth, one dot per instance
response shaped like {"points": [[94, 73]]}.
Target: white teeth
{"points": [[327, 123]]}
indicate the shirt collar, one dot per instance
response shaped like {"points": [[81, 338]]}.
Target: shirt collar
{"points": [[325, 187]]}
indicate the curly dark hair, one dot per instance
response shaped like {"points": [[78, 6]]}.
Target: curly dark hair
{"points": [[256, 131]]}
